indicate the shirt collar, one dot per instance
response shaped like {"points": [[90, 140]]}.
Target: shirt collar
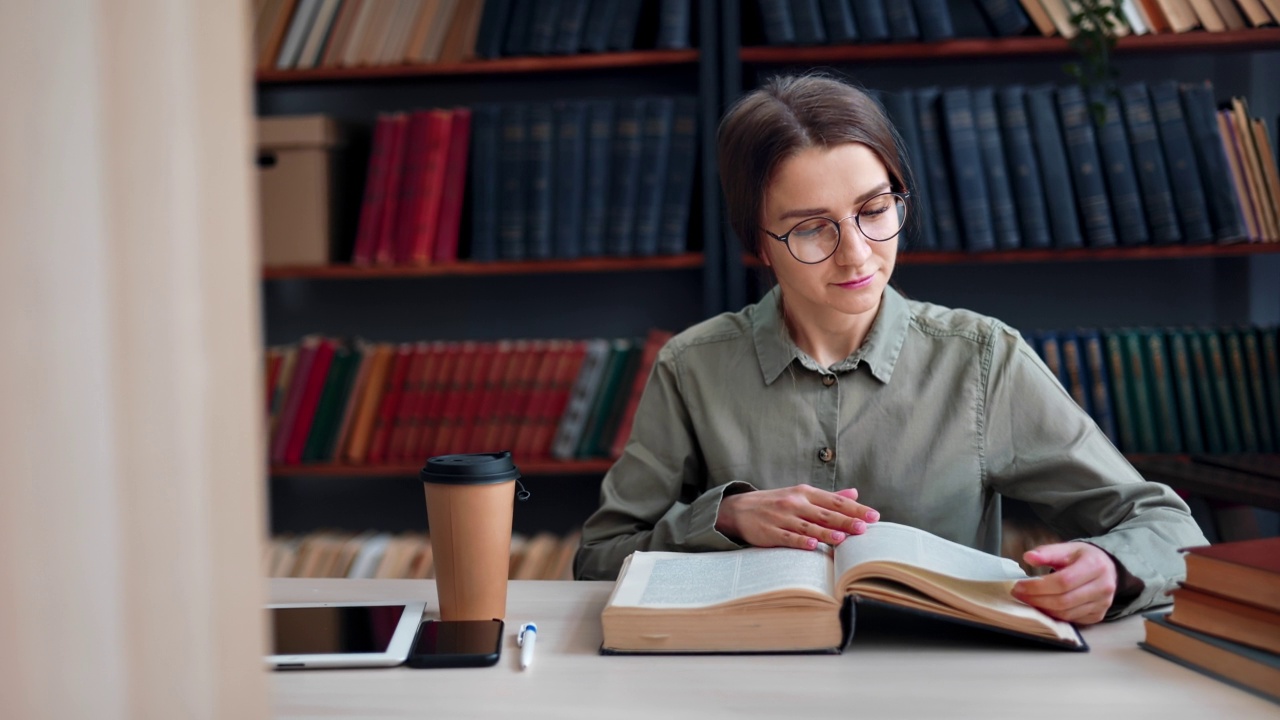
{"points": [[776, 350]]}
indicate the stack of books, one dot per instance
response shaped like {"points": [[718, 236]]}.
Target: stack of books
{"points": [[1225, 620]]}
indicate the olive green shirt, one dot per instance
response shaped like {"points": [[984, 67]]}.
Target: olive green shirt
{"points": [[933, 419]]}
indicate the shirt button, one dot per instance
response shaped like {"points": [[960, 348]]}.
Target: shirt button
{"points": [[826, 455], [828, 380]]}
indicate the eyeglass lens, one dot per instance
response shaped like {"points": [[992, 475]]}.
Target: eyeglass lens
{"points": [[815, 239]]}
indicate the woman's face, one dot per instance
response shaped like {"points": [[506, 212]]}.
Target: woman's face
{"points": [[834, 183]]}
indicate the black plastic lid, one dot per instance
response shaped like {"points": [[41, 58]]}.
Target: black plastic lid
{"points": [[470, 469]]}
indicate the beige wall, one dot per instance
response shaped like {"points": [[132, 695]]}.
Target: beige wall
{"points": [[131, 473]]}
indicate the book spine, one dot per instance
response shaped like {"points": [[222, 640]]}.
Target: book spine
{"points": [[422, 236], [595, 32], [1120, 398], [622, 36], [659, 115], [1006, 16], [838, 17], [873, 21], [1055, 172], [1122, 180], [967, 171], [939, 199], [516, 38], [1232, 436], [412, 190], [485, 143], [935, 20], [779, 29], [920, 233], [1184, 385], [569, 30], [1086, 168], [674, 24], [652, 345], [570, 174], [903, 25], [493, 24], [328, 408], [1238, 375], [1024, 167], [1148, 161], [1202, 122], [1140, 387], [306, 417], [1258, 389], [595, 214], [455, 179], [379, 156], [573, 420], [1184, 175], [808, 22], [1204, 387], [511, 164], [1099, 384], [620, 223], [601, 440], [1077, 371], [1166, 407], [539, 152], [392, 395], [677, 198], [542, 27], [385, 250], [300, 376], [1004, 215]]}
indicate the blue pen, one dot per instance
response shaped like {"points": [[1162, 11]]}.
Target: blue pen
{"points": [[526, 639]]}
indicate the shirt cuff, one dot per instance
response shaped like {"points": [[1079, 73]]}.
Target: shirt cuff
{"points": [[1138, 584], [702, 534]]}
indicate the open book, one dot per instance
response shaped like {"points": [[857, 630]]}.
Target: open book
{"points": [[786, 600]]}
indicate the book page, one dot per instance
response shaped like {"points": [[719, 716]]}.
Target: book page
{"points": [[691, 580], [911, 546]]}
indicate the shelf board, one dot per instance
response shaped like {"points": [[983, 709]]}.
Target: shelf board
{"points": [[498, 66], [686, 261], [976, 48], [527, 468], [1146, 252]]}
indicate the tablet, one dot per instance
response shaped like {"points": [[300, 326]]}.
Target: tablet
{"points": [[342, 634]]}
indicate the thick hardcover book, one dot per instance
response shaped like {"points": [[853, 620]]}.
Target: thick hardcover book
{"points": [[595, 31], [602, 399], [1184, 388], [1148, 161], [626, 21], [595, 211], [1006, 16], [374, 187], [967, 171], [541, 35], [873, 21], [306, 416], [570, 26], [935, 20], [1046, 343], [455, 179], [1100, 402], [570, 174], [512, 164], [627, 161], [288, 412], [1220, 376], [1121, 400], [1226, 618], [838, 18], [779, 27], [1165, 406], [920, 232], [574, 418], [1117, 168], [1086, 167], [516, 38], [903, 24], [356, 447], [539, 176], [1141, 390], [928, 111], [673, 229], [1206, 400], [384, 248], [472, 392], [1023, 168], [604, 421], [808, 22], [557, 399], [675, 24], [1246, 570], [485, 147], [655, 144], [1004, 216], [969, 20], [779, 600], [1055, 172], [330, 407], [419, 239], [1238, 373], [493, 26], [1251, 669], [1076, 369], [1180, 159], [1202, 121], [389, 404], [1257, 382]]}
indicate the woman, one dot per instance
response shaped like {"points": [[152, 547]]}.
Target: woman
{"points": [[835, 402]]}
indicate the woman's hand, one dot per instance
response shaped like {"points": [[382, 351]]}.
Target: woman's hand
{"points": [[1080, 588], [800, 517]]}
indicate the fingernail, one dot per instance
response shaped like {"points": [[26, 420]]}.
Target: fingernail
{"points": [[810, 543], [872, 516], [837, 537], [859, 527]]}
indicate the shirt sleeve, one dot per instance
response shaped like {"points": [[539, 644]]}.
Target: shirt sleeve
{"points": [[654, 497], [1042, 448]]}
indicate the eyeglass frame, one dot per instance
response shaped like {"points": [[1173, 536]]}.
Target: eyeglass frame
{"points": [[783, 238]]}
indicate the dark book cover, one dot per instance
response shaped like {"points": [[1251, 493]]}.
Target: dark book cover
{"points": [[1023, 168], [1122, 179], [570, 174], [570, 26], [620, 221], [677, 200], [1004, 215], [1006, 16], [516, 39], [969, 20], [1270, 346], [602, 400], [838, 19], [1202, 122], [1165, 406], [595, 31], [779, 27], [900, 105], [327, 408], [675, 24], [512, 164], [1121, 403], [967, 171], [595, 212], [1206, 400], [1046, 343], [902, 20], [626, 21], [1076, 369], [542, 27], [1180, 159], [1220, 376], [539, 153], [935, 20], [602, 442], [872, 20], [655, 153], [486, 132], [1238, 374], [1148, 160], [928, 111], [1099, 382], [1183, 375], [1086, 167], [1138, 367], [454, 191], [1257, 382], [807, 19], [1055, 172], [493, 28]]}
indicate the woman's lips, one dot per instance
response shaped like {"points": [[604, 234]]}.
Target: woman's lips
{"points": [[857, 283]]}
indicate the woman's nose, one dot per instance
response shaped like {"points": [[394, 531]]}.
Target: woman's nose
{"points": [[854, 248]]}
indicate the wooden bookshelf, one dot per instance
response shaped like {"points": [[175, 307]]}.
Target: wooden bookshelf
{"points": [[497, 66], [1012, 47], [1235, 479], [530, 468], [687, 261], [1050, 255]]}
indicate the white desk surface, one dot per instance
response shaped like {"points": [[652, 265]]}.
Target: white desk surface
{"points": [[886, 676]]}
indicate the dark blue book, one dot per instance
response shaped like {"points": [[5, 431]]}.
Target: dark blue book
{"points": [[902, 112], [1006, 16], [1122, 179], [873, 21], [1180, 159], [625, 185], [902, 20], [675, 24], [516, 40], [622, 36], [673, 236], [808, 22], [486, 133], [569, 178], [928, 112], [1046, 343], [512, 163], [595, 32], [1004, 215], [1055, 173], [969, 20], [1148, 161], [1086, 167], [655, 152], [542, 27], [935, 20], [779, 28], [967, 173], [1099, 385], [595, 211], [1024, 168], [1202, 121], [1183, 374], [493, 28], [1163, 404], [540, 155], [838, 19], [570, 26]]}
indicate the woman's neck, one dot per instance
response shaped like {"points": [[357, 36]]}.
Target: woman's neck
{"points": [[831, 339]]}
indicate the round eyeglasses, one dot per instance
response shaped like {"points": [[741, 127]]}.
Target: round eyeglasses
{"points": [[814, 240]]}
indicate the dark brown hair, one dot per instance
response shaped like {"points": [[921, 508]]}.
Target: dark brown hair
{"points": [[787, 114]]}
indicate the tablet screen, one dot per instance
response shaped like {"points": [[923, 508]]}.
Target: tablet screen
{"points": [[334, 630]]}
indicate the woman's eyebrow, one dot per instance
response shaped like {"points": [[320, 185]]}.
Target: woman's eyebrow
{"points": [[811, 212]]}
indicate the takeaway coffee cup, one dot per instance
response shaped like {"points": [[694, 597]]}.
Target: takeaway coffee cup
{"points": [[470, 499]]}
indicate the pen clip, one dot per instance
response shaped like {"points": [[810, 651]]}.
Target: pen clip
{"points": [[524, 628]]}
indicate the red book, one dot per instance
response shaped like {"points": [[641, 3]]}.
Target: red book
{"points": [[439, 390], [310, 399], [501, 401], [455, 389], [384, 251], [297, 388], [374, 186], [1246, 570], [391, 395], [453, 190], [426, 389], [473, 393], [486, 416], [516, 396], [412, 180], [274, 360], [410, 395], [558, 401], [537, 398], [652, 344], [426, 218]]}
